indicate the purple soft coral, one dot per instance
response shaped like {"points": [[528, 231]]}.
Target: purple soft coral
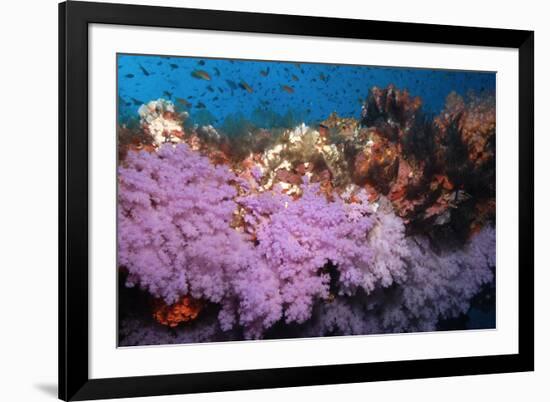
{"points": [[441, 286], [175, 238], [300, 237], [437, 286]]}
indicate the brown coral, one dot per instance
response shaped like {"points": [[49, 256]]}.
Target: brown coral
{"points": [[416, 197], [392, 110], [484, 210], [427, 168], [400, 192], [377, 164], [340, 126], [132, 140], [476, 121]]}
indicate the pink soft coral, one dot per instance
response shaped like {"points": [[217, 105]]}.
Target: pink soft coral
{"points": [[301, 238], [175, 238]]}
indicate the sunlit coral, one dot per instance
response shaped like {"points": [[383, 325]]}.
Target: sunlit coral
{"points": [[304, 151], [159, 119], [339, 126], [389, 248]]}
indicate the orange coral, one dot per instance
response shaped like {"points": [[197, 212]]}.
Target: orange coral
{"points": [[412, 192], [407, 176], [287, 176], [187, 309], [218, 157], [325, 180], [343, 126], [476, 122], [377, 164], [217, 152]]}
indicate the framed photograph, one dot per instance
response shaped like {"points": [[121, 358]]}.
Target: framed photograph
{"points": [[257, 201]]}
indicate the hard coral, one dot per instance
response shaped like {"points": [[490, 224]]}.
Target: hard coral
{"points": [[160, 120], [340, 126], [300, 151]]}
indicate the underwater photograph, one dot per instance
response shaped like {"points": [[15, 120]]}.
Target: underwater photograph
{"points": [[273, 200]]}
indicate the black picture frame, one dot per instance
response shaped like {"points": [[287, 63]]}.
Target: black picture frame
{"points": [[74, 380]]}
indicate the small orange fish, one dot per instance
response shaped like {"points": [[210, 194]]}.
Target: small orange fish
{"points": [[201, 74], [183, 102], [287, 89], [246, 87], [323, 130]]}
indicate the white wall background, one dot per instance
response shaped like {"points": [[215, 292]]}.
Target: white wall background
{"points": [[28, 198]]}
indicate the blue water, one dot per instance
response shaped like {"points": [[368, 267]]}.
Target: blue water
{"points": [[237, 89]]}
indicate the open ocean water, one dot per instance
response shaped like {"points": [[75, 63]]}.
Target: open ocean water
{"points": [[277, 94]]}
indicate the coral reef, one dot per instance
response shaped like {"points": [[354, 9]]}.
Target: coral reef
{"points": [[466, 149], [159, 119], [476, 121], [350, 226], [428, 168], [299, 151], [391, 110]]}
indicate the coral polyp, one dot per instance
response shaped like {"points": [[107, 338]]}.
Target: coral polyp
{"points": [[239, 219]]}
